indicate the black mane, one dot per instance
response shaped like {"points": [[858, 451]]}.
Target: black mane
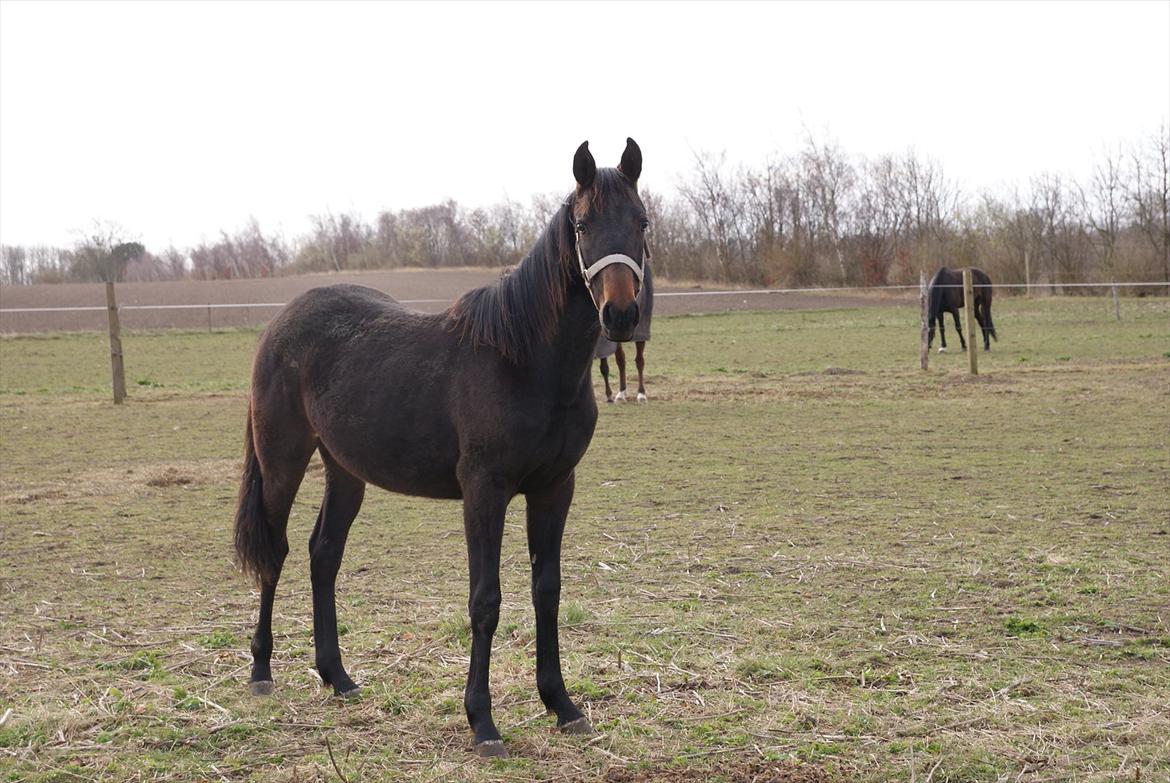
{"points": [[520, 310]]}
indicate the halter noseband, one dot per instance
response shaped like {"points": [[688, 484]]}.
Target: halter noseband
{"points": [[590, 272]]}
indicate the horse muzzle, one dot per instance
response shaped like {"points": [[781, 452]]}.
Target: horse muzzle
{"points": [[618, 323]]}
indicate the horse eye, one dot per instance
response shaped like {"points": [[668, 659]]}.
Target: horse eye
{"points": [[645, 224], [580, 226]]}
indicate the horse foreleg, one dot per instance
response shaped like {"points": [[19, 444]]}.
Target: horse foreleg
{"points": [[546, 512], [942, 333], [640, 363], [484, 504], [620, 357], [605, 377], [342, 501]]}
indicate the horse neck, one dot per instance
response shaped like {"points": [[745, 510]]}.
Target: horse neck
{"points": [[577, 332], [571, 349]]}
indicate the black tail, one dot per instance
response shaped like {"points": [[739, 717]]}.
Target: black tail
{"points": [[934, 295], [987, 313], [256, 547]]}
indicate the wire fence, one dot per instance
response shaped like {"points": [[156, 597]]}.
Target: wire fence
{"points": [[212, 315]]}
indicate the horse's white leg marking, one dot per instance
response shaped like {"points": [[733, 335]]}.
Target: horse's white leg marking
{"points": [[641, 396], [621, 396], [941, 349]]}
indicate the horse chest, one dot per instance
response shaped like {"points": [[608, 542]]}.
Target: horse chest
{"points": [[563, 442]]}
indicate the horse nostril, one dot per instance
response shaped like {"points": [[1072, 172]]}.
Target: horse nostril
{"points": [[619, 319]]}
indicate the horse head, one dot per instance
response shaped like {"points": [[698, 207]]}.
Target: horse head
{"points": [[609, 226]]}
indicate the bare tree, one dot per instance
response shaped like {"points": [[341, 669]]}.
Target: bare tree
{"points": [[711, 192], [827, 177], [102, 253], [1060, 230], [13, 264], [1149, 195], [1103, 207]]}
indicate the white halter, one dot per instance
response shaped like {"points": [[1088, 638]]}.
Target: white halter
{"points": [[590, 272]]}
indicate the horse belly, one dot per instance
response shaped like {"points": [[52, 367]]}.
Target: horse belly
{"points": [[420, 480], [408, 457]]}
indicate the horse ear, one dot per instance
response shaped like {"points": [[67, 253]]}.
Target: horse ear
{"points": [[631, 164], [584, 167]]}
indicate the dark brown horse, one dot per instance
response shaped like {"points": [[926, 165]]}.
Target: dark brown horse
{"points": [[483, 402], [945, 295]]}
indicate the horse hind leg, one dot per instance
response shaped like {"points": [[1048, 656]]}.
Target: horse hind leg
{"points": [[277, 455], [605, 377], [988, 326], [942, 333], [640, 363], [982, 325], [619, 356], [959, 329], [340, 505]]}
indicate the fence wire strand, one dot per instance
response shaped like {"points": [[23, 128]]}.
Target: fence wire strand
{"points": [[662, 294]]}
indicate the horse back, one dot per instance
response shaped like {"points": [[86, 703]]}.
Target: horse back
{"points": [[398, 399]]}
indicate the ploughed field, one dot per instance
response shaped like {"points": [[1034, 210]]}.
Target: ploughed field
{"points": [[221, 304], [803, 560]]}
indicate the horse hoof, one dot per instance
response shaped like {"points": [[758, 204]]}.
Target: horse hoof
{"points": [[261, 687], [491, 749], [621, 396], [609, 400], [353, 693], [942, 350], [579, 726], [641, 397]]}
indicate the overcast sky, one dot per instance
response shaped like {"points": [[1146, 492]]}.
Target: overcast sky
{"points": [[176, 120]]}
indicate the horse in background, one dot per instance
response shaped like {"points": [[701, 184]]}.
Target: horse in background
{"points": [[945, 295], [607, 348]]}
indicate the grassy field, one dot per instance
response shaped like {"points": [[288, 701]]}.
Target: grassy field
{"points": [[804, 560]]}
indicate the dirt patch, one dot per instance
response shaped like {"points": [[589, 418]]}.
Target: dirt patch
{"points": [[169, 477], [21, 498], [733, 772], [967, 379]]}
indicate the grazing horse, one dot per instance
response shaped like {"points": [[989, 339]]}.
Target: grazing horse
{"points": [[607, 348], [945, 295], [488, 400]]}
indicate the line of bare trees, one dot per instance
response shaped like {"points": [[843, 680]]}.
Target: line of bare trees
{"points": [[816, 216]]}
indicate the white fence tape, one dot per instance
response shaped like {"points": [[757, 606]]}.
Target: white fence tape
{"points": [[743, 292]]}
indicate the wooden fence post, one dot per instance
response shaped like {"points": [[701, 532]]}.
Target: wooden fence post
{"points": [[1027, 275], [969, 320], [119, 371], [924, 324]]}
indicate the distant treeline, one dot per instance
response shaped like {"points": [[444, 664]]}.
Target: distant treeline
{"points": [[816, 216]]}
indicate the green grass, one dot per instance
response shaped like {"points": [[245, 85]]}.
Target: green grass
{"points": [[802, 549]]}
